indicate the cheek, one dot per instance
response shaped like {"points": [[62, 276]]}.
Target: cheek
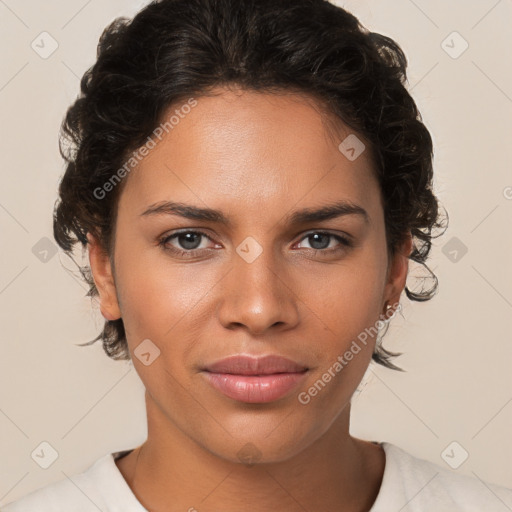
{"points": [[158, 297], [161, 303], [348, 314], [348, 299]]}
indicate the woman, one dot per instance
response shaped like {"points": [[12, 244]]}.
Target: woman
{"points": [[250, 180]]}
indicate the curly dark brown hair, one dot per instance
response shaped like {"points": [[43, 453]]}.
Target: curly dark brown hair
{"points": [[175, 49]]}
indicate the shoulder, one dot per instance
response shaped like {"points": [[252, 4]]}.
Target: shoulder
{"points": [[420, 485], [88, 491], [53, 497]]}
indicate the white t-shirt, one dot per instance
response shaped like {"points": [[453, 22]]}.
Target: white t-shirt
{"points": [[409, 484]]}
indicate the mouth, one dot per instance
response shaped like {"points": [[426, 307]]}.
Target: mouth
{"points": [[255, 379]]}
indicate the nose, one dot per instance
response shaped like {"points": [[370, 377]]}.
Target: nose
{"points": [[258, 296]]}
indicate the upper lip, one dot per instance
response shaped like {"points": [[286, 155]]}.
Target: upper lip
{"points": [[249, 365]]}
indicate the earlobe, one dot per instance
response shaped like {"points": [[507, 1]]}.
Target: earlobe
{"points": [[103, 276]]}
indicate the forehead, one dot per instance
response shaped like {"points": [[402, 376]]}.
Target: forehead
{"points": [[251, 150]]}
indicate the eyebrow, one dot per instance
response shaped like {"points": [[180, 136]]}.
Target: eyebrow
{"points": [[308, 215]]}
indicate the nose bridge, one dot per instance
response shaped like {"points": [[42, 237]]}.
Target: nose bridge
{"points": [[255, 292]]}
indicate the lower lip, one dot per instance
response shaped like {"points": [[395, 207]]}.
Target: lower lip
{"points": [[255, 388]]}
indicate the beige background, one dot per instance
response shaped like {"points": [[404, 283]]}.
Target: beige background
{"points": [[458, 347]]}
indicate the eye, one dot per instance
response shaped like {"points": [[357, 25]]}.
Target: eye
{"points": [[321, 241], [185, 243], [188, 243]]}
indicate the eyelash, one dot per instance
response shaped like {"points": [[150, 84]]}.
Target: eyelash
{"points": [[345, 243]]}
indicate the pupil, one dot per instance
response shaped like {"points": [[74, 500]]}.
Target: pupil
{"points": [[314, 237]]}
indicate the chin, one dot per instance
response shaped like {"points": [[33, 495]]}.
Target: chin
{"points": [[276, 442]]}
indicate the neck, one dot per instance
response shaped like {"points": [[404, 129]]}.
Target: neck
{"points": [[335, 472]]}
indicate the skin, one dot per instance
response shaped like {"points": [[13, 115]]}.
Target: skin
{"points": [[256, 157]]}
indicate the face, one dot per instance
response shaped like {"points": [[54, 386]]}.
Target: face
{"points": [[255, 272]]}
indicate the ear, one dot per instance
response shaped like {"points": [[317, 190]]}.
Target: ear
{"points": [[397, 274], [103, 279]]}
